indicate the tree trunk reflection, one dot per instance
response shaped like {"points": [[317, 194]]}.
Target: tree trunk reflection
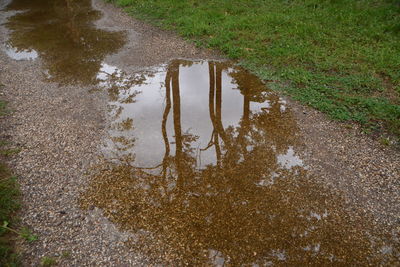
{"points": [[174, 68]]}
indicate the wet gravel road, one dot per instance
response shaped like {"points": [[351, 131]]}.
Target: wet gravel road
{"points": [[60, 122]]}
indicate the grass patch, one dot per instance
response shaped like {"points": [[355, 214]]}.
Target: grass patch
{"points": [[2, 108], [8, 205], [9, 194], [338, 56], [9, 152], [48, 261]]}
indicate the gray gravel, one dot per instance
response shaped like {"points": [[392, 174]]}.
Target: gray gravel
{"points": [[59, 130], [353, 163]]}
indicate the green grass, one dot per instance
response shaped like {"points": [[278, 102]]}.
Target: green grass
{"points": [[339, 56], [2, 108], [9, 204], [48, 261]]}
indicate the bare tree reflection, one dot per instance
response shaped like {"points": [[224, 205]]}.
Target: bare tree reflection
{"points": [[174, 68], [164, 123], [246, 209]]}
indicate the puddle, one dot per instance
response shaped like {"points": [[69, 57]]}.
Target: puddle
{"points": [[150, 110], [23, 54], [61, 33], [204, 169]]}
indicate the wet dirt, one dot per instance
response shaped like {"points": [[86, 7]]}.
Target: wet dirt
{"points": [[203, 168], [202, 164]]}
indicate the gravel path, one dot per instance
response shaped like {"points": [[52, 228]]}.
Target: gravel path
{"points": [[60, 128]]}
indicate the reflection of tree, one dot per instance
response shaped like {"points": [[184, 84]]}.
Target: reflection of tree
{"points": [[211, 103], [164, 123], [61, 31], [177, 119], [121, 91], [215, 103], [223, 210], [120, 86], [183, 158]]}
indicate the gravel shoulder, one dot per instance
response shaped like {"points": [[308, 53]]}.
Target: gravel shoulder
{"points": [[350, 162], [59, 130]]}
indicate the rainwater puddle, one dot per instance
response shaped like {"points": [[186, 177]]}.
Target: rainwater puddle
{"points": [[205, 170], [61, 33], [175, 112], [23, 54]]}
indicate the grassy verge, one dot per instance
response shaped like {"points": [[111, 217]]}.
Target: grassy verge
{"points": [[8, 206], [339, 56]]}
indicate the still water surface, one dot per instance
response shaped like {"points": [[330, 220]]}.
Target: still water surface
{"points": [[62, 35], [206, 169]]}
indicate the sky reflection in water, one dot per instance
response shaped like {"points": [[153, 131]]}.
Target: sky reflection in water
{"points": [[204, 170]]}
